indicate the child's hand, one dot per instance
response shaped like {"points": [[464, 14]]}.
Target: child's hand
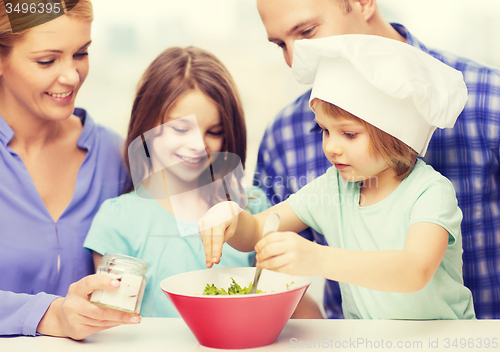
{"points": [[289, 253], [216, 227]]}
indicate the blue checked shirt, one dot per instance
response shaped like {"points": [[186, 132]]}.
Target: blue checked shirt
{"points": [[291, 155]]}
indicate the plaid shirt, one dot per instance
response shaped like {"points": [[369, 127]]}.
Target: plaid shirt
{"points": [[291, 155]]}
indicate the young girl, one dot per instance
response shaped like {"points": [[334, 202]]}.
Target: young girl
{"points": [[189, 113], [392, 222]]}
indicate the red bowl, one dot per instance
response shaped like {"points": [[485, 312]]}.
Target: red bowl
{"points": [[235, 321]]}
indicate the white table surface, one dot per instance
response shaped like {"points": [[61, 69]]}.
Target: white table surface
{"points": [[172, 334]]}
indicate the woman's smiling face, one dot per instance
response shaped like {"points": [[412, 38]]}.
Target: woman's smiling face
{"points": [[45, 70]]}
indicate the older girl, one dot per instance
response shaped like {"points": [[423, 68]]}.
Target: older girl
{"points": [[189, 113]]}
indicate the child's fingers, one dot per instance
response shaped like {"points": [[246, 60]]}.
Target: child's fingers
{"points": [[276, 262], [271, 249], [271, 245], [213, 228], [269, 238], [218, 239], [206, 239]]}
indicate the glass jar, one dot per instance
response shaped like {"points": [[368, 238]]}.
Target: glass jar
{"points": [[130, 272]]}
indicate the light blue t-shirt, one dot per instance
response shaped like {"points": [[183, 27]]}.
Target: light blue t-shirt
{"points": [[142, 228], [330, 205]]}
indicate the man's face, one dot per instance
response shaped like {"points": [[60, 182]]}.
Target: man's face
{"points": [[290, 20]]}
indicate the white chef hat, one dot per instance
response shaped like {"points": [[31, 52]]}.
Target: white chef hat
{"points": [[389, 84]]}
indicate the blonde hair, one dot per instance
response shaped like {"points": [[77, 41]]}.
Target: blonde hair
{"points": [[8, 38], [398, 155]]}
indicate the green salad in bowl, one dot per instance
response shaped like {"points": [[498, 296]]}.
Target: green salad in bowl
{"points": [[234, 289], [215, 316]]}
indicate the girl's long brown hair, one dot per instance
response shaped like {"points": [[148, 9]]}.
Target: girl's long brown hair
{"points": [[172, 74]]}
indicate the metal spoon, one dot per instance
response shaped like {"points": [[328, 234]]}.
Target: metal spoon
{"points": [[270, 225]]}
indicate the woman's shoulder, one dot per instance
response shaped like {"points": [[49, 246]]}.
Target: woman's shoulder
{"points": [[95, 133], [104, 150]]}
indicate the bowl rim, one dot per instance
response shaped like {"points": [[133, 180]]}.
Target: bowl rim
{"points": [[306, 284]]}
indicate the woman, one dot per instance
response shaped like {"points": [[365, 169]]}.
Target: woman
{"points": [[56, 167]]}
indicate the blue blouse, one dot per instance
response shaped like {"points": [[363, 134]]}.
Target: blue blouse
{"points": [[40, 258]]}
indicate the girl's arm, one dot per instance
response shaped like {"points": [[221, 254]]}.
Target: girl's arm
{"points": [[406, 270], [242, 231], [97, 259]]}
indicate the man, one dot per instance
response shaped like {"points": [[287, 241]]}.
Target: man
{"points": [[290, 154]]}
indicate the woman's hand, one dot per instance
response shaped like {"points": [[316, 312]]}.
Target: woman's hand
{"points": [[216, 227], [75, 317], [289, 253]]}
